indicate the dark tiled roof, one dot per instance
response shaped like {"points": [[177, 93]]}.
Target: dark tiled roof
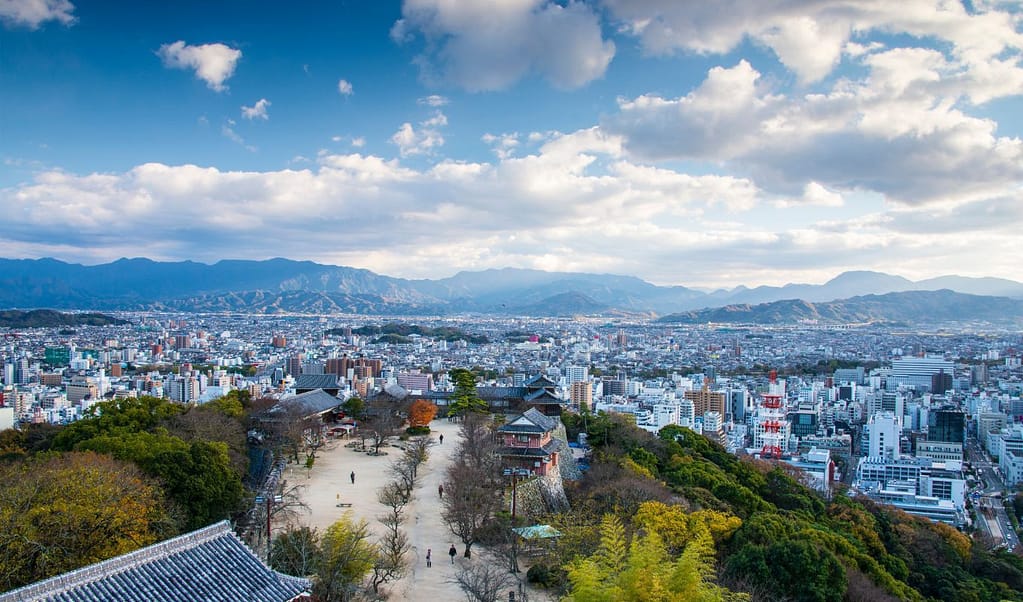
{"points": [[520, 428], [501, 392], [308, 382], [535, 422], [541, 396], [551, 447], [531, 452], [312, 402], [210, 564], [537, 417], [541, 381]]}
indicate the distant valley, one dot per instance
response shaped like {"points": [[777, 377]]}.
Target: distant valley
{"points": [[284, 286]]}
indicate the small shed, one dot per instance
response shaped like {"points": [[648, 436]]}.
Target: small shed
{"points": [[537, 539]]}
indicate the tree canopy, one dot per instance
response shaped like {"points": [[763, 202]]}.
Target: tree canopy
{"points": [[197, 475], [59, 512], [772, 536]]}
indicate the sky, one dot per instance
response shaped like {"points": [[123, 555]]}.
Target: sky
{"points": [[686, 142]]}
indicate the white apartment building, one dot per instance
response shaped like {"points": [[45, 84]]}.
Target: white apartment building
{"points": [[885, 432]]}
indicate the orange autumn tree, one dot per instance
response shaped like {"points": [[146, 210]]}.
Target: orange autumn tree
{"points": [[420, 413]]}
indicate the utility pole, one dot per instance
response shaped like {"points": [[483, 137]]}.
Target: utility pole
{"points": [[514, 473], [269, 500]]}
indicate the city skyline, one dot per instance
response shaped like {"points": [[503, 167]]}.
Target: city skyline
{"points": [[707, 145]]}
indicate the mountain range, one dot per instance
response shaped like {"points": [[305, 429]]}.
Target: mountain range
{"points": [[286, 286], [904, 307]]}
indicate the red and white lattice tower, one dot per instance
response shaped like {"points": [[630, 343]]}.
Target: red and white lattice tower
{"points": [[772, 417]]}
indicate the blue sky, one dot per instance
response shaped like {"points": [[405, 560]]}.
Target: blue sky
{"points": [[693, 143]]}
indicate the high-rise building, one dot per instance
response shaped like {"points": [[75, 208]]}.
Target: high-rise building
{"points": [[294, 364], [917, 371], [946, 424], [21, 371], [614, 387], [850, 375], [941, 383], [184, 389], [706, 400], [415, 381], [581, 392], [737, 402], [574, 374], [885, 432]]}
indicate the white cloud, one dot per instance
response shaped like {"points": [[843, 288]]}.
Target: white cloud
{"points": [[587, 205], [490, 46], [503, 145], [257, 111], [213, 63], [423, 140], [808, 37], [358, 142], [897, 132], [344, 87], [433, 100], [33, 13]]}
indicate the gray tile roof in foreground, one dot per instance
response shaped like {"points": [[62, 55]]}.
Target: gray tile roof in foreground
{"points": [[211, 564]]}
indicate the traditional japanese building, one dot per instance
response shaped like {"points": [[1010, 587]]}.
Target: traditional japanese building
{"points": [[527, 442]]}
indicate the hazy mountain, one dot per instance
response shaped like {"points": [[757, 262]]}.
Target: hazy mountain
{"points": [[907, 306], [282, 285], [996, 287], [564, 304], [843, 286]]}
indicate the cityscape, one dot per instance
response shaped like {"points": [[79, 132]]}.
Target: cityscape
{"points": [[525, 300], [925, 420]]}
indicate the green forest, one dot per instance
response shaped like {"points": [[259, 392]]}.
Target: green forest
{"points": [[676, 517]]}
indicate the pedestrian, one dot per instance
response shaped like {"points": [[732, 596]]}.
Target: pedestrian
{"points": [[442, 438], [429, 562], [452, 553], [440, 491], [353, 477]]}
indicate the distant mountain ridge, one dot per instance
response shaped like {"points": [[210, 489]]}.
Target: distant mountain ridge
{"points": [[902, 307], [286, 286]]}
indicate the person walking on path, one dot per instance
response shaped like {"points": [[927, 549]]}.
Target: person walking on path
{"points": [[452, 553], [442, 438], [429, 563], [440, 491], [353, 477]]}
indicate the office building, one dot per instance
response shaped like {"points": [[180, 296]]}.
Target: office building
{"points": [[917, 372], [946, 424]]}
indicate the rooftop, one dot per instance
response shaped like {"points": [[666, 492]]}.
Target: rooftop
{"points": [[211, 564]]}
